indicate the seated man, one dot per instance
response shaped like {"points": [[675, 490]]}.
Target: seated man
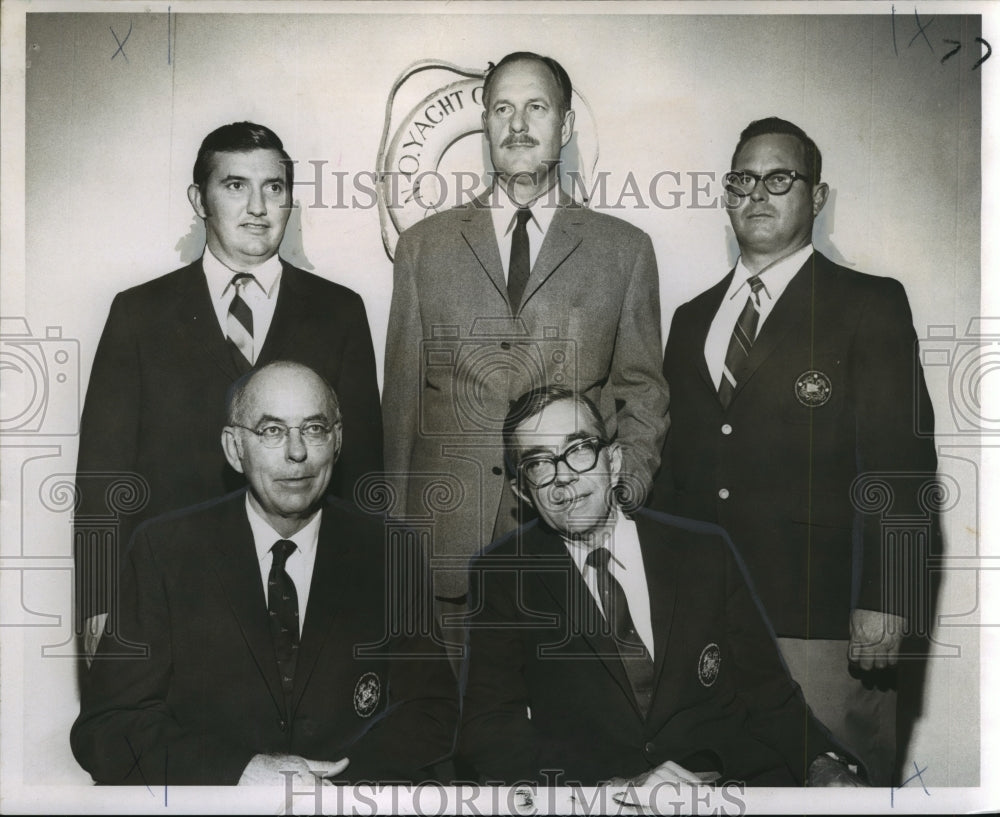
{"points": [[620, 649], [264, 618]]}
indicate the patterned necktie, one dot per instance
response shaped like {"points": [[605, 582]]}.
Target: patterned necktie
{"points": [[283, 612], [635, 657], [740, 342], [520, 260], [239, 323]]}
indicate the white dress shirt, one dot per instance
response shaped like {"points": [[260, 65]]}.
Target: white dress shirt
{"points": [[627, 568], [261, 295], [504, 214], [299, 565], [775, 278]]}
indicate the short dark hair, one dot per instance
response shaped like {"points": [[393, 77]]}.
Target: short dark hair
{"points": [[772, 124], [532, 403], [558, 73], [239, 137], [236, 393]]}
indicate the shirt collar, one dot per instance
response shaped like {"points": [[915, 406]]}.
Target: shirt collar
{"points": [[220, 276], [775, 277], [579, 551], [264, 536], [503, 210]]}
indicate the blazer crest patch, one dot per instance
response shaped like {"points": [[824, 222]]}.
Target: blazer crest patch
{"points": [[366, 694], [708, 664], [813, 388]]}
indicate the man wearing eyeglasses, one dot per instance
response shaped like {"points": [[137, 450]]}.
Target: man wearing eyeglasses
{"points": [[604, 648], [267, 644], [796, 383]]}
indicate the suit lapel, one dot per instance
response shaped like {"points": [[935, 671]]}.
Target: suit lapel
{"points": [[326, 594], [477, 230], [661, 583], [289, 310], [197, 322], [793, 306], [564, 235], [234, 560], [705, 309], [574, 601]]}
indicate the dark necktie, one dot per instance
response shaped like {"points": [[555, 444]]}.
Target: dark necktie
{"points": [[283, 612], [635, 657], [740, 342], [239, 323], [520, 260]]}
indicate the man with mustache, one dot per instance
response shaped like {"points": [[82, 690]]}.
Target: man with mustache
{"points": [[796, 381], [171, 348], [612, 647], [519, 288], [269, 621]]}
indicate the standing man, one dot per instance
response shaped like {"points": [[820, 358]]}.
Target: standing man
{"points": [[173, 346], [519, 288], [612, 647], [793, 378], [274, 623]]}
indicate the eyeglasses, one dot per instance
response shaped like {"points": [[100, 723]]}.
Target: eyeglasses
{"points": [[273, 435], [581, 456], [778, 182]]}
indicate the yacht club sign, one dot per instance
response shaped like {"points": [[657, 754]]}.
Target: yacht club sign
{"points": [[432, 155]]}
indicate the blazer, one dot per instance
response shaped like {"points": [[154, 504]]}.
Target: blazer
{"points": [[829, 394], [155, 405], [455, 357], [202, 695], [546, 692]]}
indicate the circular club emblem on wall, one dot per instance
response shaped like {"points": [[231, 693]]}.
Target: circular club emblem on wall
{"points": [[708, 664], [433, 157], [366, 694], [813, 388]]}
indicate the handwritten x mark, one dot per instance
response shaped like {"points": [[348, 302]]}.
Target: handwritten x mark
{"points": [[121, 43]]}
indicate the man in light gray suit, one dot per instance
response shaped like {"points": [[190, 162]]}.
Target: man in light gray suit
{"points": [[518, 289]]}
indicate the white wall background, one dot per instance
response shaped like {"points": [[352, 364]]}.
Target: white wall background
{"points": [[109, 145]]}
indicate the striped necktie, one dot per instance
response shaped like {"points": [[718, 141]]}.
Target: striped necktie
{"points": [[740, 342], [239, 323]]}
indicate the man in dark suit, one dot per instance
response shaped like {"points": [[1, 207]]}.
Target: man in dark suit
{"points": [[265, 618], [172, 347], [608, 648], [796, 383], [519, 288]]}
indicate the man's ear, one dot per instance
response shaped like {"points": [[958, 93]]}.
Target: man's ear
{"points": [[820, 193], [520, 494], [232, 448], [615, 456], [194, 196], [569, 118]]}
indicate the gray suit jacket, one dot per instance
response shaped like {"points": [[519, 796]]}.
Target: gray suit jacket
{"points": [[456, 356]]}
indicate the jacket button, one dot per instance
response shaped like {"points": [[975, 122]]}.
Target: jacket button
{"points": [[727, 429], [283, 726], [497, 470], [723, 493], [650, 747], [505, 344]]}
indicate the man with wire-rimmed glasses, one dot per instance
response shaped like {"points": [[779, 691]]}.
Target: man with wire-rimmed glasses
{"points": [[795, 383], [275, 634], [604, 648]]}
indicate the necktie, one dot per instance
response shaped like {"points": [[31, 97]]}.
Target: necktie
{"points": [[520, 260], [239, 323], [283, 612], [635, 657], [740, 342]]}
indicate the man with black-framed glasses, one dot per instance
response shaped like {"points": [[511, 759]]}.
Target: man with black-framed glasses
{"points": [[606, 649], [796, 382]]}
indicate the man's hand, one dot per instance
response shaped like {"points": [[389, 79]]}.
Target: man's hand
{"points": [[93, 629], [875, 639], [270, 770], [830, 772], [666, 772]]}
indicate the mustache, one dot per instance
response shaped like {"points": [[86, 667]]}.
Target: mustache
{"points": [[512, 141]]}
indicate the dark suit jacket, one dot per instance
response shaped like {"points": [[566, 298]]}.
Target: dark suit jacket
{"points": [[529, 647], [813, 553], [455, 357], [206, 697], [155, 403]]}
